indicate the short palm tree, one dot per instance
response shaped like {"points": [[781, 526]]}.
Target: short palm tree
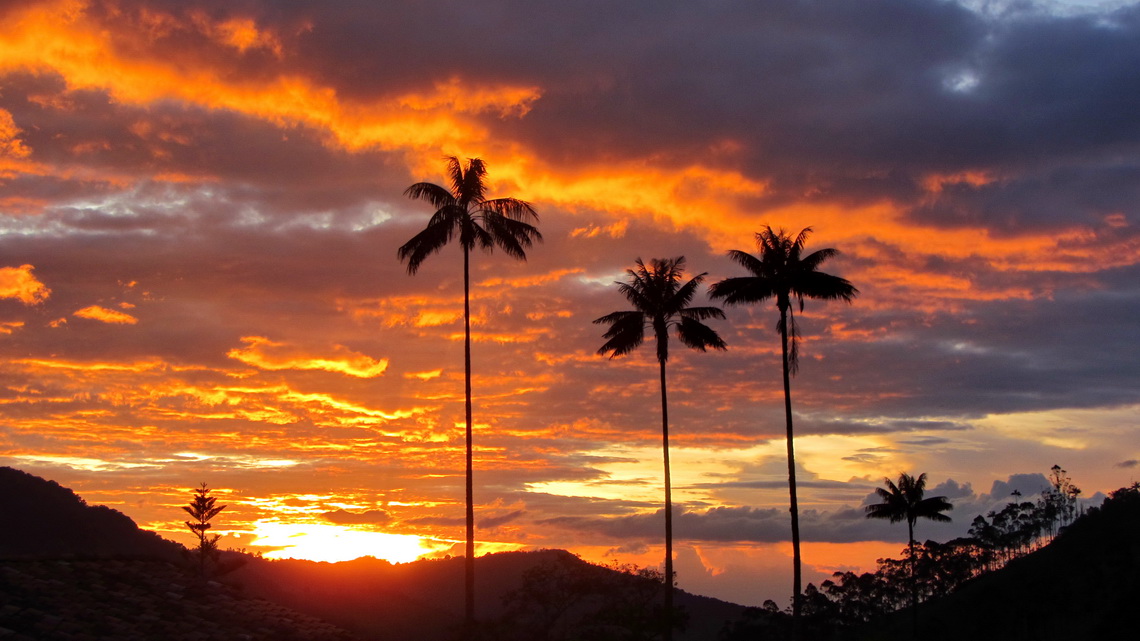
{"points": [[661, 303], [463, 210], [782, 272], [906, 501]]}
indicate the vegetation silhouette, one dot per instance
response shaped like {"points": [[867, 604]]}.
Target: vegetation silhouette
{"points": [[1081, 585], [782, 272], [661, 303], [464, 210], [1077, 583], [907, 501], [202, 509]]}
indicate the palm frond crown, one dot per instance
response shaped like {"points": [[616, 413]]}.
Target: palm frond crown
{"points": [[463, 210], [661, 302], [906, 501], [780, 271]]}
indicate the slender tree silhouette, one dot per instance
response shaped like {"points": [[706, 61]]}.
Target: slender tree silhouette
{"points": [[202, 509], [782, 272], [906, 501], [506, 223], [661, 302]]}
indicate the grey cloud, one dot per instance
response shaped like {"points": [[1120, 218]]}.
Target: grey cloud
{"points": [[951, 489], [732, 524], [368, 517], [493, 522]]}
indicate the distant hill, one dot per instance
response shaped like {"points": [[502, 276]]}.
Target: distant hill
{"points": [[423, 600], [42, 519], [1083, 585]]}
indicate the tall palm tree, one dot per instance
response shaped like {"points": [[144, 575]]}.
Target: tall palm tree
{"points": [[661, 302], [907, 502], [782, 272], [464, 210]]}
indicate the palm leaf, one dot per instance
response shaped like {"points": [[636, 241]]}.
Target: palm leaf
{"points": [[699, 336], [429, 241], [431, 193]]}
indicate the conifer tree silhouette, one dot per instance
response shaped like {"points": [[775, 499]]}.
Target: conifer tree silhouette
{"points": [[202, 509]]}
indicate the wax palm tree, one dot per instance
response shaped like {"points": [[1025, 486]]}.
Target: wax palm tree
{"points": [[661, 303], [782, 272], [464, 210], [906, 501]]}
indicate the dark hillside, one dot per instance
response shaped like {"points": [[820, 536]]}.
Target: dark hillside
{"points": [[45, 520], [138, 600], [1084, 585]]}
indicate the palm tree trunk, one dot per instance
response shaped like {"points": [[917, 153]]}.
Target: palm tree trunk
{"points": [[668, 622], [794, 509], [913, 581], [469, 563]]}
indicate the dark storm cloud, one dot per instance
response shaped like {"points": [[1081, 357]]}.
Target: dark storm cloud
{"points": [[1003, 356], [855, 101]]}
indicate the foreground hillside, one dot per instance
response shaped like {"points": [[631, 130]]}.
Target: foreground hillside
{"points": [[70, 570], [1083, 585]]}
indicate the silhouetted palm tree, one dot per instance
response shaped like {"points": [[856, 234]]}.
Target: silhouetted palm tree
{"points": [[907, 502], [783, 273], [661, 302], [505, 223]]}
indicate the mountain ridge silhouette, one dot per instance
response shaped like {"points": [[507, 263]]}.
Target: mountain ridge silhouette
{"points": [[418, 601]]}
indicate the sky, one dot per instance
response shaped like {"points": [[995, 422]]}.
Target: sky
{"points": [[201, 205]]}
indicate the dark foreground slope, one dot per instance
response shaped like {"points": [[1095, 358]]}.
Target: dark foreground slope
{"points": [[70, 571], [73, 571], [42, 519], [1083, 585], [138, 600]]}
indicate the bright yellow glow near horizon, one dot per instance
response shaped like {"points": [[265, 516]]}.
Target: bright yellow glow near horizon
{"points": [[334, 543], [638, 472]]}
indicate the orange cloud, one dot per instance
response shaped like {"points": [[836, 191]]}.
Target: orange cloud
{"points": [[613, 230], [7, 327], [21, 284], [58, 37], [935, 183], [104, 315], [10, 144], [271, 355]]}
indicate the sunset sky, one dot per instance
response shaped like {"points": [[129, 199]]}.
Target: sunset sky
{"points": [[201, 203]]}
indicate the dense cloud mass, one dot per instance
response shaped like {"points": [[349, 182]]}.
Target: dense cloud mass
{"points": [[201, 205]]}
